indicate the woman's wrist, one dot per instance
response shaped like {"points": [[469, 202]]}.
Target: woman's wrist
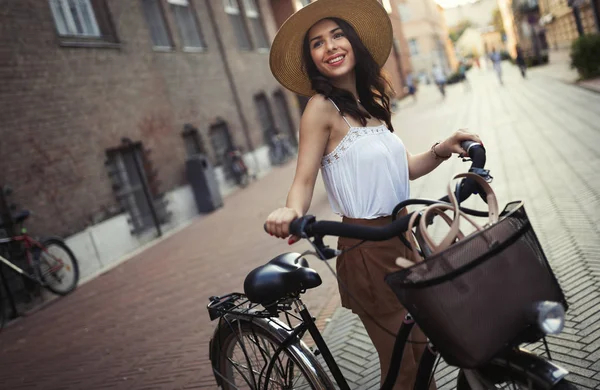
{"points": [[440, 152]]}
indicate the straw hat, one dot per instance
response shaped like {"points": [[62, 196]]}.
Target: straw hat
{"points": [[367, 17]]}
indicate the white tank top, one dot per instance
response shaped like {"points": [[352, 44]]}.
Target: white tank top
{"points": [[366, 175]]}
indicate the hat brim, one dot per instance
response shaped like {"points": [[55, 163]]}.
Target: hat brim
{"points": [[368, 18]]}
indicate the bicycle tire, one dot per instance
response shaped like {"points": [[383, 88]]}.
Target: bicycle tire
{"points": [[71, 266], [2, 309], [227, 337], [463, 384]]}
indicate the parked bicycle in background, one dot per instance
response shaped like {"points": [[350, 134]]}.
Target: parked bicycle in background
{"points": [[237, 166], [45, 262], [280, 148]]}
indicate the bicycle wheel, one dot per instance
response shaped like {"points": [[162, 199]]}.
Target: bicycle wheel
{"points": [[2, 310], [56, 266], [501, 381], [245, 351]]}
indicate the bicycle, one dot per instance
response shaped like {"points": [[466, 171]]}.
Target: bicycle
{"points": [[50, 262], [280, 149], [253, 348], [237, 167]]}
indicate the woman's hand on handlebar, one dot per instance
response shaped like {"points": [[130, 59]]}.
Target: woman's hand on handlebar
{"points": [[452, 144], [278, 223]]}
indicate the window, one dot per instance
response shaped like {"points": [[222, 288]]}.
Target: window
{"points": [[156, 22], [220, 139], [302, 3], [192, 141], [253, 15], [388, 6], [404, 11], [82, 20], [232, 8], [128, 185], [265, 115], [188, 25], [413, 46], [75, 18]]}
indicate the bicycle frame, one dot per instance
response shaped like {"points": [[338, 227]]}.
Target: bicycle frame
{"points": [[29, 243], [426, 365]]}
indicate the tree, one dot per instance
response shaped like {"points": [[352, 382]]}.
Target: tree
{"points": [[497, 21], [459, 29]]}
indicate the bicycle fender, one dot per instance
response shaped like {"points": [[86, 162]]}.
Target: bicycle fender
{"points": [[527, 366]]}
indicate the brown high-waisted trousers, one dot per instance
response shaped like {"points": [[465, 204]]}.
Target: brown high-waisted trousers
{"points": [[364, 291], [363, 269]]}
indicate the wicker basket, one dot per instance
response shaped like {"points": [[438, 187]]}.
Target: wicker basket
{"points": [[473, 298]]}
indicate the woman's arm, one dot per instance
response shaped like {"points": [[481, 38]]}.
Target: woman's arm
{"points": [[314, 134], [421, 164]]}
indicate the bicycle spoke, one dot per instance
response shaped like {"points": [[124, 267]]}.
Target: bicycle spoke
{"points": [[250, 358]]}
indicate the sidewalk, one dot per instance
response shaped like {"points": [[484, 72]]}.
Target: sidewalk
{"points": [[559, 67], [543, 142], [144, 325]]}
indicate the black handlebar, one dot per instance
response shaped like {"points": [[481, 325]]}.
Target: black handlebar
{"points": [[307, 226]]}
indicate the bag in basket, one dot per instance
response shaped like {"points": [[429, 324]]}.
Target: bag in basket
{"points": [[473, 295]]}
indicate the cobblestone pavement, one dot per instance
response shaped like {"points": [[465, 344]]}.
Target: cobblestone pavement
{"points": [[543, 143], [143, 325]]}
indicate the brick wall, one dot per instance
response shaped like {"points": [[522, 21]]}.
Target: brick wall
{"points": [[62, 107]]}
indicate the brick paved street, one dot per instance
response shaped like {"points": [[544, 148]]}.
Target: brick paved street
{"points": [[543, 142], [144, 325]]}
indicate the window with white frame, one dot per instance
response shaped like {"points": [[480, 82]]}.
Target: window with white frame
{"points": [[187, 23], [404, 11], [156, 23], [302, 3], [253, 15], [232, 8], [75, 18], [413, 46], [387, 5]]}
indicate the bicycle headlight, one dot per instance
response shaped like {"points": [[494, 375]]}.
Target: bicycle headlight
{"points": [[550, 317]]}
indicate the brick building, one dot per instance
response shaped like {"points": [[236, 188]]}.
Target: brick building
{"points": [[559, 21], [103, 101], [81, 76]]}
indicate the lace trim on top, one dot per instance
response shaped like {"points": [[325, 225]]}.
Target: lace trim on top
{"points": [[351, 136]]}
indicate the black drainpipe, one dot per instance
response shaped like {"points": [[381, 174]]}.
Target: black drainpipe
{"points": [[234, 91]]}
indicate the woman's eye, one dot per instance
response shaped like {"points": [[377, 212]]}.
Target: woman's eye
{"points": [[338, 35], [317, 44]]}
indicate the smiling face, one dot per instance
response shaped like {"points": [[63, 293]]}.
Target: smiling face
{"points": [[330, 50]]}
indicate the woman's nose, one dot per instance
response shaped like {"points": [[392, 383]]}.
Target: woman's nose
{"points": [[331, 45]]}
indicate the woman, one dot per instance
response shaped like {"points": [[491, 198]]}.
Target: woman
{"points": [[334, 53], [520, 60]]}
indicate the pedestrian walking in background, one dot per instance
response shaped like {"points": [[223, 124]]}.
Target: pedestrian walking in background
{"points": [[411, 85], [520, 60], [462, 71], [440, 79], [496, 59]]}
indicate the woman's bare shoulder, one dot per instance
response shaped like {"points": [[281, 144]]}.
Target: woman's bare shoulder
{"points": [[319, 111]]}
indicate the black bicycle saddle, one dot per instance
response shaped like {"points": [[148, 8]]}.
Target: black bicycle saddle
{"points": [[17, 217], [285, 275]]}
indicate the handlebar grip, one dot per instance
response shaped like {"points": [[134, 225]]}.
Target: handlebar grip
{"points": [[296, 227], [475, 151]]}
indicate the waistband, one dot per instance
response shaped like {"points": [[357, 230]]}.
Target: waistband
{"points": [[376, 222]]}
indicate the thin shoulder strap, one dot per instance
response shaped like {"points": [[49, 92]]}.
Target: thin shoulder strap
{"points": [[337, 108]]}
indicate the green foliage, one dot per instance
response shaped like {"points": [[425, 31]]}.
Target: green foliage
{"points": [[459, 29], [585, 56], [497, 21]]}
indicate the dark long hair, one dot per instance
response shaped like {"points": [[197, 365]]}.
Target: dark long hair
{"points": [[372, 87]]}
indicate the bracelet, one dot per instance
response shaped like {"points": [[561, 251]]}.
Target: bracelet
{"points": [[437, 156]]}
